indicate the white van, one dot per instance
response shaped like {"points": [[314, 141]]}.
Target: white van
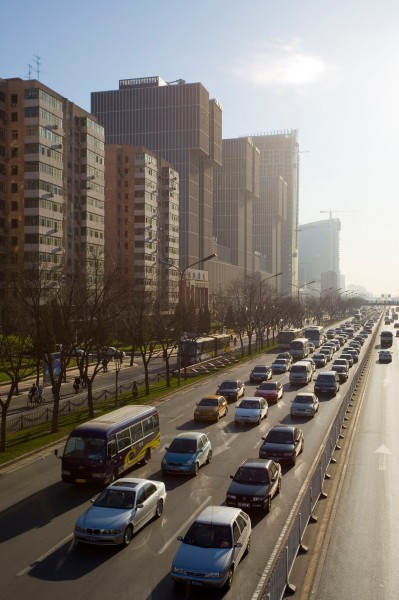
{"points": [[301, 373]]}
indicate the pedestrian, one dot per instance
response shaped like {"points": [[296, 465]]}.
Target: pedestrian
{"points": [[105, 365], [135, 391]]}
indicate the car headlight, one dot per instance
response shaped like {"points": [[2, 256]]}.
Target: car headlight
{"points": [[190, 462], [66, 472], [214, 575], [179, 570], [98, 475], [231, 497], [80, 529], [288, 453], [164, 461]]}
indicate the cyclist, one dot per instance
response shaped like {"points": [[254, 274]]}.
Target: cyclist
{"points": [[33, 391], [77, 383]]}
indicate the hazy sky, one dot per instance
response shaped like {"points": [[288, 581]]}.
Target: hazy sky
{"points": [[329, 68]]}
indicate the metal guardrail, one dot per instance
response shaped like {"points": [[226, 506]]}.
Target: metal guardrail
{"points": [[274, 581]]}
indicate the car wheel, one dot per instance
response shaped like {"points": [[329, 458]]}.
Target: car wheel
{"points": [[196, 469], [159, 508], [293, 461], [209, 457], [217, 416], [229, 581], [128, 535], [268, 504], [278, 487]]}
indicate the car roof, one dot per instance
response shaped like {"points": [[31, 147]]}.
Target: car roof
{"points": [[212, 397], [283, 428], [189, 435], [305, 395], [326, 373], [256, 463], [128, 483], [229, 381], [218, 515]]}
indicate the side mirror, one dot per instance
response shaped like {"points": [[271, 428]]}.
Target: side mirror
{"points": [[166, 447], [56, 452], [179, 538], [231, 476]]}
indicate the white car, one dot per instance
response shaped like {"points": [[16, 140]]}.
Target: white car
{"points": [[305, 404], [119, 511], [251, 410]]}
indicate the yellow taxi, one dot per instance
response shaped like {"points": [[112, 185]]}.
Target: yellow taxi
{"points": [[211, 408]]}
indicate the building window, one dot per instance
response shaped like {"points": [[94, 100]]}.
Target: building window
{"points": [[14, 240], [14, 188], [14, 205], [14, 116], [14, 223], [14, 170], [14, 99], [14, 134]]}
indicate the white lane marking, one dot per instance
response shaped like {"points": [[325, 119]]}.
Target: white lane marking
{"points": [[225, 446], [185, 525], [176, 418], [382, 452], [45, 555]]}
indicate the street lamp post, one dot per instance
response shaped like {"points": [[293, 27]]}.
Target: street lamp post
{"points": [[181, 278], [299, 287], [261, 282], [320, 293]]}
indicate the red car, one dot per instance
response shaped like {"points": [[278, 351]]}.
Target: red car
{"points": [[272, 391]]}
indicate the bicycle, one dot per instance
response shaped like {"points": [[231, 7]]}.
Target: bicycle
{"points": [[34, 400]]}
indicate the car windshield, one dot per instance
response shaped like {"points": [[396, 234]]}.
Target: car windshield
{"points": [[228, 385], [110, 498], [87, 448], [267, 386], [249, 404], [324, 378], [251, 475], [208, 535], [183, 445], [279, 361], [259, 370], [279, 437], [303, 400], [208, 402]]}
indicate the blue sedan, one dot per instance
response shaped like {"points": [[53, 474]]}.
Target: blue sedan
{"points": [[187, 453]]}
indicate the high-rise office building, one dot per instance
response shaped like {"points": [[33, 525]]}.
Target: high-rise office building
{"points": [[141, 218], [276, 211], [236, 185], [51, 185], [319, 253], [180, 123]]}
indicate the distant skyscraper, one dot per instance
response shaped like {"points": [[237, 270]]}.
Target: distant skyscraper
{"points": [[51, 184], [318, 250], [276, 211], [181, 124]]}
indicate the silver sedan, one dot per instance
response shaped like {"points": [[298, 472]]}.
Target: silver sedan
{"points": [[119, 511], [305, 404]]}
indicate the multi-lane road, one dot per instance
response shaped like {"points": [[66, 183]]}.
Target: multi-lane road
{"points": [[38, 511]]}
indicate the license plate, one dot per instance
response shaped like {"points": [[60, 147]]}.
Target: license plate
{"points": [[92, 538], [80, 480], [196, 582], [244, 504]]}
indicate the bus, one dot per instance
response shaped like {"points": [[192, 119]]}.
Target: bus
{"points": [[386, 339], [315, 334], [196, 350], [285, 337], [299, 348], [98, 451]]}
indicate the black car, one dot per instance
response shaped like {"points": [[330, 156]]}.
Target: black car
{"points": [[254, 485], [260, 373], [327, 382], [231, 389], [283, 443]]}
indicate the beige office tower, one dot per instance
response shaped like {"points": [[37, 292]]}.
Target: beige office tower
{"points": [[51, 186]]}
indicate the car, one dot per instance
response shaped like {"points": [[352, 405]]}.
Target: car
{"points": [[77, 352], [260, 373], [330, 334], [286, 355], [348, 356], [354, 354], [281, 365], [187, 453], [359, 339], [256, 482], [251, 410], [342, 372], [211, 408], [320, 359], [283, 443], [396, 324], [327, 382], [305, 404], [397, 334], [356, 345], [272, 391], [311, 362], [231, 389], [212, 548], [341, 361], [384, 356], [120, 511], [312, 347], [328, 352]]}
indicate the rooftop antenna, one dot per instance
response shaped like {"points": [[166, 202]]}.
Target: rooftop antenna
{"points": [[29, 70], [36, 60]]}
